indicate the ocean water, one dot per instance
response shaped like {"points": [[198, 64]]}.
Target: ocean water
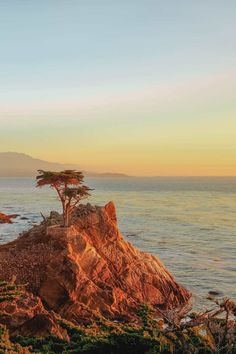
{"points": [[189, 223]]}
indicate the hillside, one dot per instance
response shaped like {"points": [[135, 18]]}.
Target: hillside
{"points": [[13, 164]]}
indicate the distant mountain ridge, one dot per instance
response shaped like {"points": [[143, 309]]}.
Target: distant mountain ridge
{"points": [[15, 164]]}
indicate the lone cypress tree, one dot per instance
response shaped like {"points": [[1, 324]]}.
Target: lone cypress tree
{"points": [[69, 187]]}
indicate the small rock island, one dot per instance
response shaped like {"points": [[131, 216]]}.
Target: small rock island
{"points": [[7, 219]]}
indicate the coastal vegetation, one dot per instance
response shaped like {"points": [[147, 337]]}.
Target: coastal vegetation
{"points": [[88, 291], [8, 290], [213, 331]]}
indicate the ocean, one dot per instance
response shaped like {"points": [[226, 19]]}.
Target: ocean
{"points": [[188, 222]]}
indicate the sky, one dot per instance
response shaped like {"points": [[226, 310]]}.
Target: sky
{"points": [[141, 87]]}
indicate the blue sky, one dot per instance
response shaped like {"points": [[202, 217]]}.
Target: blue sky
{"points": [[66, 46], [69, 53]]}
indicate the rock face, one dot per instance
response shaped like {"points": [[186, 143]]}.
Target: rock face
{"points": [[6, 219], [27, 316], [88, 268]]}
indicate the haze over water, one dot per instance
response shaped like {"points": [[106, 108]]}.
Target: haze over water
{"points": [[189, 222]]}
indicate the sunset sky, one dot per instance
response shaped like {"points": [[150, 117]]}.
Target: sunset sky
{"points": [[141, 87]]}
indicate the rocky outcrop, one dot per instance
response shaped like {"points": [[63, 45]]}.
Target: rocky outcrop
{"points": [[7, 219], [27, 316], [88, 269]]}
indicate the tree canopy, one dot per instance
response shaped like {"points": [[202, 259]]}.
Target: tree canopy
{"points": [[69, 187]]}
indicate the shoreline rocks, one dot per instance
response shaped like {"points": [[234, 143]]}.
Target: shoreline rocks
{"points": [[7, 219], [27, 316], [89, 270]]}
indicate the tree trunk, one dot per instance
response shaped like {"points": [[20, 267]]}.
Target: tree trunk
{"points": [[66, 216], [66, 219]]}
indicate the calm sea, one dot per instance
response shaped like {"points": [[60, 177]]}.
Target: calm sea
{"points": [[190, 223]]}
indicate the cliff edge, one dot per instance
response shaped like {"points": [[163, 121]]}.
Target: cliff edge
{"points": [[88, 268]]}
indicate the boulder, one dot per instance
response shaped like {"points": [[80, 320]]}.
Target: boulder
{"points": [[27, 316], [6, 219]]}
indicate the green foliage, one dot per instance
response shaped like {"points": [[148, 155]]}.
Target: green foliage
{"points": [[126, 342], [114, 338], [69, 187], [8, 291], [143, 312], [7, 347], [149, 337]]}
